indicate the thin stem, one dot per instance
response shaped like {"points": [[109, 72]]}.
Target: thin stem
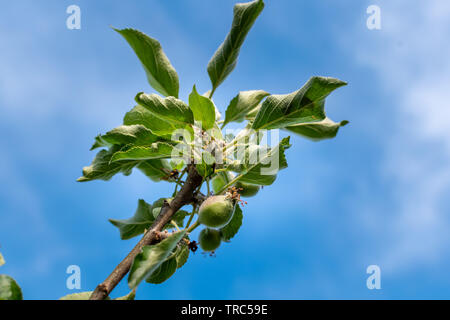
{"points": [[192, 228], [175, 225], [178, 182], [229, 184], [191, 217], [208, 188], [212, 92]]}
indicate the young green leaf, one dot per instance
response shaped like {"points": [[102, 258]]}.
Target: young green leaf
{"points": [[141, 115], [302, 106], [142, 220], [242, 104], [263, 171], [203, 109], [9, 289], [157, 150], [232, 228], [156, 169], [205, 168], [102, 168], [164, 271], [151, 258], [178, 218], [225, 58], [135, 134], [160, 73], [168, 109], [325, 129], [182, 255]]}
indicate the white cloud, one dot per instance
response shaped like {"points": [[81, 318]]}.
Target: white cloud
{"points": [[410, 57]]}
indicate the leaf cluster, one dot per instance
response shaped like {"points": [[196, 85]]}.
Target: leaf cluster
{"points": [[162, 135]]}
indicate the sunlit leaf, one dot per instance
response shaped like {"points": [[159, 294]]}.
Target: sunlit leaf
{"points": [[156, 169], [163, 272], [168, 109], [261, 164], [203, 109], [132, 134], [225, 58], [232, 228], [325, 129], [151, 258], [160, 73], [142, 220], [9, 289], [302, 106], [242, 104], [103, 169], [141, 115], [157, 150]]}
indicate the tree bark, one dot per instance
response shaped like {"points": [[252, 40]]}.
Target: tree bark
{"points": [[153, 234]]}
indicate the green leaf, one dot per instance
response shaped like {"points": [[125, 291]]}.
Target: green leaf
{"points": [[157, 150], [168, 109], [203, 109], [242, 104], [302, 106], [232, 228], [141, 115], [142, 220], [182, 254], [129, 296], [225, 58], [151, 258], [251, 115], [2, 260], [205, 168], [178, 217], [79, 296], [263, 170], [156, 169], [160, 73], [103, 169], [9, 289], [164, 271], [325, 129], [135, 134]]}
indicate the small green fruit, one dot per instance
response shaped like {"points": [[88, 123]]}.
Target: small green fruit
{"points": [[248, 190], [209, 239], [221, 180], [216, 211]]}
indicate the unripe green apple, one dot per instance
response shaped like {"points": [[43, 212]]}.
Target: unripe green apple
{"points": [[248, 190], [221, 180], [209, 239], [216, 211]]}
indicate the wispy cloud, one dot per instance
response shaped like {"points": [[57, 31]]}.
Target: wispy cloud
{"points": [[410, 57]]}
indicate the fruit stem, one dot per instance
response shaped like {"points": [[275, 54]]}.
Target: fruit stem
{"points": [[208, 188], [175, 225], [191, 217], [192, 228], [229, 184]]}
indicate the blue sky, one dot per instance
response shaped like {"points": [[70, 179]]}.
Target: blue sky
{"points": [[374, 195]]}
